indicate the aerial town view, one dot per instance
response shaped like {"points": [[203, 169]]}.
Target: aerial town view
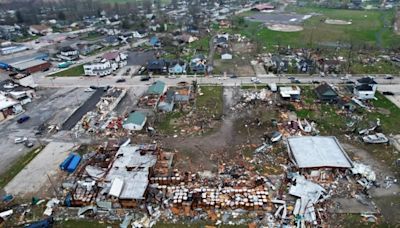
{"points": [[199, 113]]}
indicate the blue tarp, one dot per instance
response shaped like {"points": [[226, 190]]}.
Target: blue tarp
{"points": [[74, 163], [64, 165]]}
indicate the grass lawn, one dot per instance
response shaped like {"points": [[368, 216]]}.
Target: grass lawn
{"points": [[201, 44], [82, 224], [211, 102], [368, 29], [166, 126], [390, 122], [18, 166], [75, 71]]}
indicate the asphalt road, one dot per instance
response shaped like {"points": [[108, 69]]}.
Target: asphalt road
{"points": [[135, 81]]}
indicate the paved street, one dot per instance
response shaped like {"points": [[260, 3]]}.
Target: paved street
{"points": [[135, 81]]}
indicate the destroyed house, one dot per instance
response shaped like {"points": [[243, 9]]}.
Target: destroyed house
{"points": [[308, 152], [128, 177], [326, 93], [182, 93], [167, 101]]}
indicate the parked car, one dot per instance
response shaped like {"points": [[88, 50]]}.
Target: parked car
{"points": [[121, 80], [172, 76], [255, 80], [233, 76], [20, 140], [296, 81], [389, 77], [28, 144], [145, 78], [88, 90], [315, 82], [23, 119], [388, 93], [93, 87]]}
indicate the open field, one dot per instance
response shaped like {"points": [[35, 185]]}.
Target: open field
{"points": [[368, 29]]}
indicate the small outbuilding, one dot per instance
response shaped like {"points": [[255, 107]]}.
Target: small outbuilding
{"points": [[135, 121]]}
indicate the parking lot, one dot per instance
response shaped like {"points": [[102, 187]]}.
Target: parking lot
{"points": [[52, 106]]}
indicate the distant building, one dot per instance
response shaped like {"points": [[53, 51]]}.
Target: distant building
{"points": [[68, 53], [167, 102], [176, 67], [13, 49], [157, 88], [32, 66], [262, 7], [109, 63], [157, 66], [101, 68], [198, 64], [40, 29], [9, 107], [365, 88]]}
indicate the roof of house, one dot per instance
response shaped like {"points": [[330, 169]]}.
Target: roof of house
{"points": [[364, 87], [111, 55], [264, 6], [222, 40], [129, 174], [157, 64], [40, 27], [136, 118], [325, 90], [317, 151], [67, 49], [156, 88], [367, 80]]}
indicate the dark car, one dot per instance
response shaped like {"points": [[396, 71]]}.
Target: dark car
{"points": [[296, 81], [348, 82], [93, 87], [121, 80], [315, 82], [389, 77], [233, 76], [291, 78], [388, 93], [23, 119], [145, 78], [28, 144]]}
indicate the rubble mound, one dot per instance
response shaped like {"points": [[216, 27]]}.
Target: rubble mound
{"points": [[337, 22], [285, 28]]}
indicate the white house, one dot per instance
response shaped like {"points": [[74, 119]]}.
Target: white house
{"points": [[139, 34], [101, 68], [226, 56], [68, 53], [120, 59], [135, 121], [291, 92], [365, 88]]}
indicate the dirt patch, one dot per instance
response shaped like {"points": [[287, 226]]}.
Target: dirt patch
{"points": [[285, 28], [337, 22], [383, 111]]}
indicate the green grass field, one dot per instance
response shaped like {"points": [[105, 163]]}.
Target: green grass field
{"points": [[368, 29], [18, 166], [75, 71]]}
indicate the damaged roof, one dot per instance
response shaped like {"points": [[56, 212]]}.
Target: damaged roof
{"points": [[130, 173], [317, 151]]}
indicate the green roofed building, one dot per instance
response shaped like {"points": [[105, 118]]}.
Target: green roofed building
{"points": [[157, 88], [135, 121]]}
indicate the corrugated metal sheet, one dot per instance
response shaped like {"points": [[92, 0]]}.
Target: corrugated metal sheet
{"points": [[64, 165]]}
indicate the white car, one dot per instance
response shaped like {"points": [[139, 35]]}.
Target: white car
{"points": [[88, 90], [20, 140]]}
